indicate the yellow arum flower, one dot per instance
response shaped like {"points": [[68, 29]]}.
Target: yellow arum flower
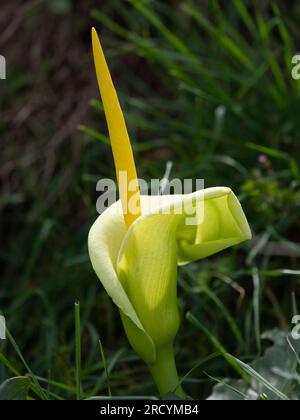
{"points": [[135, 250]]}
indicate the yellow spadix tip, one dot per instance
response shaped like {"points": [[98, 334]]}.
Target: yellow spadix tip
{"points": [[120, 142]]}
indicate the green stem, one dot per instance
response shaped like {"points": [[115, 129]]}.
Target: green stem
{"points": [[164, 372]]}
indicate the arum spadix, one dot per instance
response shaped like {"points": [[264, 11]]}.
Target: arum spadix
{"points": [[136, 253]]}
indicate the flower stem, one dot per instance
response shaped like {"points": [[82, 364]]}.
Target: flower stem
{"points": [[164, 372]]}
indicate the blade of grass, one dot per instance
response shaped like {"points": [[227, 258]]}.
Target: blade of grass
{"points": [[157, 23], [245, 15], [231, 322], [94, 134], [197, 365], [38, 389], [191, 318], [228, 386], [293, 350], [105, 368], [256, 307], [284, 33], [294, 304], [226, 42]]}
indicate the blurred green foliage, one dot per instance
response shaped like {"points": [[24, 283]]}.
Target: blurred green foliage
{"points": [[206, 85]]}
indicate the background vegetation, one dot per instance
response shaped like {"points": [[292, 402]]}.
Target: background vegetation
{"points": [[206, 85]]}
